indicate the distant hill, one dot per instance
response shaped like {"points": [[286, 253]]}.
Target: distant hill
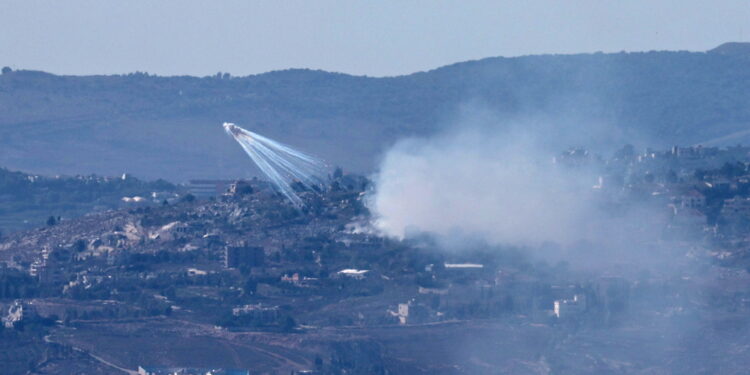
{"points": [[169, 127], [733, 48], [27, 201]]}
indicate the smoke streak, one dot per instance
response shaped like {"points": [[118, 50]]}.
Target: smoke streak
{"points": [[282, 164]]}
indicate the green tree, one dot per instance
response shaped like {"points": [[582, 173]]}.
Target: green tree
{"points": [[288, 324]]}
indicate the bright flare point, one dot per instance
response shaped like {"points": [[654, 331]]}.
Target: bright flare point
{"points": [[282, 164]]}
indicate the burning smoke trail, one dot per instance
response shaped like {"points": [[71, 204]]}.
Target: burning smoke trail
{"points": [[280, 163]]}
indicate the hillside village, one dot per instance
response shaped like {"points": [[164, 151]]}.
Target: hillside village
{"points": [[258, 285]]}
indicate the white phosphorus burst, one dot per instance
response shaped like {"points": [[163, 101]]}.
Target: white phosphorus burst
{"points": [[282, 164]]}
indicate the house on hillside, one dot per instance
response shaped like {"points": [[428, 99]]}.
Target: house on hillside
{"points": [[692, 199], [14, 316], [412, 313], [570, 308], [248, 256], [353, 273], [258, 313]]}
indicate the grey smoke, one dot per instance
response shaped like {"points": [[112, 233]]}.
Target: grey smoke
{"points": [[496, 181]]}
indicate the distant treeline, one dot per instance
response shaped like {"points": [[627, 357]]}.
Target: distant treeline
{"points": [[28, 201]]}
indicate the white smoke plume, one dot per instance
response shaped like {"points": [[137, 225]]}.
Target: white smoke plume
{"points": [[282, 164], [499, 186]]}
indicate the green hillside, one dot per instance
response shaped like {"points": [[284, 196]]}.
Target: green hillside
{"points": [[170, 126]]}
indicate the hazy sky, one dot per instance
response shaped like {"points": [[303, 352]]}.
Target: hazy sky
{"points": [[360, 37]]}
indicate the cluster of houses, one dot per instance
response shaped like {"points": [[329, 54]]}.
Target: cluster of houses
{"points": [[701, 189], [245, 234], [478, 293]]}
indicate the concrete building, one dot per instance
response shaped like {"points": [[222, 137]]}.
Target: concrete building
{"points": [[353, 273], [570, 308], [238, 188], [412, 313], [249, 256], [693, 199], [50, 268], [14, 316], [463, 266], [258, 313]]}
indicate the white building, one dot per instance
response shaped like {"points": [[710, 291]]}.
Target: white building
{"points": [[693, 199], [568, 308], [353, 273], [15, 315], [411, 313]]}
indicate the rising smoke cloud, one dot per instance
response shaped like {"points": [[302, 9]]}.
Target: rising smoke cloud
{"points": [[469, 183], [497, 184]]}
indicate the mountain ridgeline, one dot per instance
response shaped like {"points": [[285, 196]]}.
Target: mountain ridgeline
{"points": [[169, 127]]}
